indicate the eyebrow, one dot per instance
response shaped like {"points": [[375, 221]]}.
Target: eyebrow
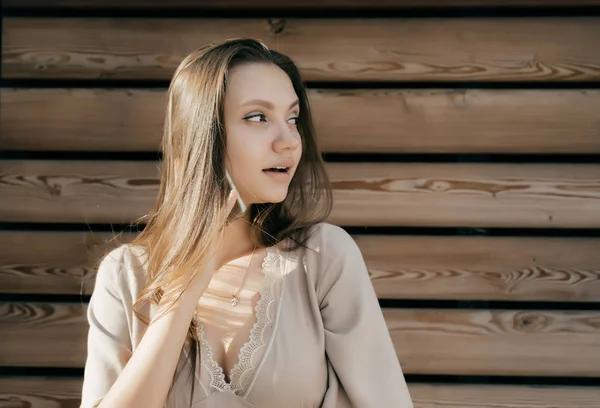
{"points": [[267, 104]]}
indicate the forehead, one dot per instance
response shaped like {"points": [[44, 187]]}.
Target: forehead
{"points": [[259, 81]]}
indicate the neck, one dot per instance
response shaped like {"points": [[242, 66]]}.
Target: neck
{"points": [[236, 238]]}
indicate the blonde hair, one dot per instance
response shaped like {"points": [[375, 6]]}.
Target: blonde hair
{"points": [[192, 182]]}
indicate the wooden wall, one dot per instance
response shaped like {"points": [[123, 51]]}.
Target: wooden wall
{"points": [[462, 138]]}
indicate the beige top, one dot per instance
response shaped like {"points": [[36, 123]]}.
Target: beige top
{"points": [[319, 339]]}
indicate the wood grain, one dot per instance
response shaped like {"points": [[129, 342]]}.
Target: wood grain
{"points": [[502, 396], [40, 392], [493, 195], [36, 392], [401, 267], [82, 191], [81, 119], [435, 49], [465, 342], [296, 4], [46, 262], [386, 194], [61, 328], [483, 268], [346, 121], [427, 341]]}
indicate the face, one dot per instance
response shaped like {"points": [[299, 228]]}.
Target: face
{"points": [[261, 111]]}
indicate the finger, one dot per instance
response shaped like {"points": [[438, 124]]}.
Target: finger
{"points": [[231, 199], [229, 204]]}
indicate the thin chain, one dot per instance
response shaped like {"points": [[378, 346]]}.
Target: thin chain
{"points": [[234, 296]]}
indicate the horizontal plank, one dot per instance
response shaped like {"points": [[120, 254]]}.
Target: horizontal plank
{"points": [[35, 392], [89, 199], [406, 267], [348, 121], [43, 334], [40, 392], [296, 4], [427, 341], [478, 268], [474, 49], [46, 262], [496, 342], [502, 396], [492, 195], [372, 194], [82, 119]]}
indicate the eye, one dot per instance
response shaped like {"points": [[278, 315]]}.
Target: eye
{"points": [[294, 119], [257, 117]]}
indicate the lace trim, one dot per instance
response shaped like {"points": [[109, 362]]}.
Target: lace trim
{"points": [[242, 372], [216, 374]]}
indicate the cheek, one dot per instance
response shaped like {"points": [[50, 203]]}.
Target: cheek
{"points": [[298, 152], [245, 150], [238, 142]]}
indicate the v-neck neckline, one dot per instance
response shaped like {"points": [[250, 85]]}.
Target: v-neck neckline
{"points": [[264, 316]]}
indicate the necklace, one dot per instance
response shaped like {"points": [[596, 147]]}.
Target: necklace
{"points": [[234, 296]]}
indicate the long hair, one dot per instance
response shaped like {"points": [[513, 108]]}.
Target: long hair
{"points": [[193, 189]]}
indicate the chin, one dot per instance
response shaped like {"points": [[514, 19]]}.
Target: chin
{"points": [[273, 198], [277, 200]]}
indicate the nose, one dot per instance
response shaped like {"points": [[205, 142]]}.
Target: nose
{"points": [[288, 138]]}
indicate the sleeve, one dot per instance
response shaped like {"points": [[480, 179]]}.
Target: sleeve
{"points": [[364, 371], [108, 341]]}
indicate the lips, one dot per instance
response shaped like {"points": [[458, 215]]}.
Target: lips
{"points": [[277, 170], [281, 166]]}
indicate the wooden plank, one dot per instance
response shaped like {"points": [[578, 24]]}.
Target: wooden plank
{"points": [[47, 262], [372, 194], [473, 195], [82, 119], [463, 342], [43, 334], [40, 392], [436, 49], [87, 192], [505, 396], [296, 4], [496, 342], [348, 121], [478, 268], [405, 267], [36, 392]]}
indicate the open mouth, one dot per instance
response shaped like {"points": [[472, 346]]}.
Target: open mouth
{"points": [[277, 170]]}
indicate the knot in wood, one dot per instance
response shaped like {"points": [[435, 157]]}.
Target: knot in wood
{"points": [[276, 26], [530, 322], [55, 190]]}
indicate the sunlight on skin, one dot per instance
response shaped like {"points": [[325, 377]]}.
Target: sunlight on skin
{"points": [[229, 326], [260, 114]]}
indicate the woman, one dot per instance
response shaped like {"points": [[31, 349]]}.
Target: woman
{"points": [[214, 307]]}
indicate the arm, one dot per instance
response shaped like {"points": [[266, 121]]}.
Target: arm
{"points": [[114, 376], [366, 371]]}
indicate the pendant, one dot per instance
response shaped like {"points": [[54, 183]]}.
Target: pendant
{"points": [[234, 300]]}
